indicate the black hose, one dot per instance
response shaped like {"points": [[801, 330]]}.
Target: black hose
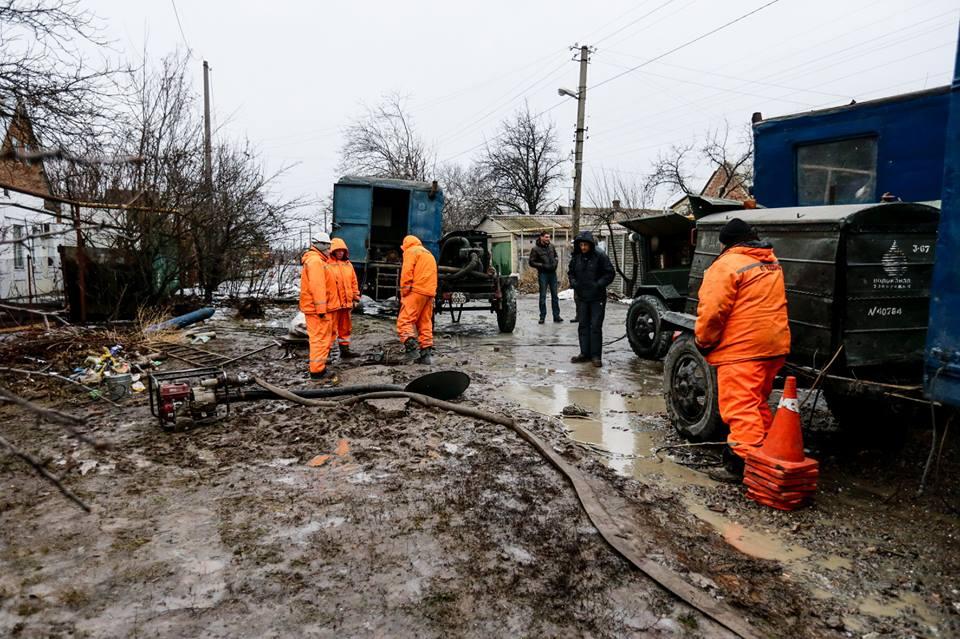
{"points": [[469, 269], [312, 393]]}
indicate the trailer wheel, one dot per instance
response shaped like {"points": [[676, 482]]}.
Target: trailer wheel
{"points": [[690, 393], [646, 338], [507, 313]]}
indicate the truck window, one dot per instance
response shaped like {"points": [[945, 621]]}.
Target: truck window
{"points": [[841, 172]]}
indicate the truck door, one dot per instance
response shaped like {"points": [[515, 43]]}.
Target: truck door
{"points": [[352, 206], [424, 220]]}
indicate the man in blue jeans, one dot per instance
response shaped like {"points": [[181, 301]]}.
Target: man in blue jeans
{"points": [[543, 257]]}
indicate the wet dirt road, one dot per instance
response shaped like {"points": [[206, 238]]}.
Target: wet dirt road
{"points": [[422, 523]]}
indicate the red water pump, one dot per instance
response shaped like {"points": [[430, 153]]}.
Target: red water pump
{"points": [[194, 396]]}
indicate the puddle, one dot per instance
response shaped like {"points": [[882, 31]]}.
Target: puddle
{"points": [[611, 429], [905, 603], [750, 542]]}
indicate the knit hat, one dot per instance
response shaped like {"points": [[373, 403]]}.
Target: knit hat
{"points": [[736, 231]]}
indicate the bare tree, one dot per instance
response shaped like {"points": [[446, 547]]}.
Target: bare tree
{"points": [[524, 164], [384, 143], [731, 160], [734, 159], [43, 69], [468, 196], [156, 122], [609, 187], [671, 170], [232, 235]]}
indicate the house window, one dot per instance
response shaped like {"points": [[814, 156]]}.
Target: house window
{"points": [[18, 247], [841, 172]]}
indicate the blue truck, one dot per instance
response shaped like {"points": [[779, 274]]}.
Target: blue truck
{"points": [[942, 361], [373, 214], [853, 154]]}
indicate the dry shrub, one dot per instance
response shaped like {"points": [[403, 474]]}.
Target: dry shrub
{"points": [[528, 282]]}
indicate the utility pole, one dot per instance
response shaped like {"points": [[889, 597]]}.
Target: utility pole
{"points": [[207, 145], [581, 131]]}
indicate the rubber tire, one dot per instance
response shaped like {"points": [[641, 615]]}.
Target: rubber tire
{"points": [[649, 309], [507, 313], [698, 426]]}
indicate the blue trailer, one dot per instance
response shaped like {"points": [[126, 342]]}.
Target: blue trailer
{"points": [[942, 363], [853, 154], [372, 215]]}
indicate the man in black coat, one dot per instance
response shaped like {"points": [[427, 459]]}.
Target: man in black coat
{"points": [[590, 274], [543, 257]]}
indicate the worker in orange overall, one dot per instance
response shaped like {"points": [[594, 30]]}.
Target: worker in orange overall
{"points": [[418, 287], [743, 331], [317, 286], [347, 296]]}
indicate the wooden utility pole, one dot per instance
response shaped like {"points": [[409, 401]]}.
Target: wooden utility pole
{"points": [[207, 145], [581, 131], [81, 266]]}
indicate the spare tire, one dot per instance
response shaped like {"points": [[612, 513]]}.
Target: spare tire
{"points": [[690, 393], [646, 338]]}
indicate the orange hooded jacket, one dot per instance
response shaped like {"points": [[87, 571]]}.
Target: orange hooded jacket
{"points": [[419, 271], [742, 313], [346, 290], [314, 288]]}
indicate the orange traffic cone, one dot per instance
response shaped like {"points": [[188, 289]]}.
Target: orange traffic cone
{"points": [[778, 474]]}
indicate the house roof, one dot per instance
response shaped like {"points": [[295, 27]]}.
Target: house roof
{"points": [[589, 219], [387, 182]]}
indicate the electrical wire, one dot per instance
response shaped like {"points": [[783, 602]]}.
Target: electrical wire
{"points": [[685, 44], [183, 35]]}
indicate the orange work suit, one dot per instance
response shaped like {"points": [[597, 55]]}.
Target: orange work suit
{"points": [[742, 323], [347, 293], [418, 288], [315, 280]]}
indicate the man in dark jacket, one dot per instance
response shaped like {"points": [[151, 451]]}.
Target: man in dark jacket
{"points": [[590, 274], [543, 257]]}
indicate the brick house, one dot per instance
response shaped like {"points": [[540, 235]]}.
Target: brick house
{"points": [[723, 183]]}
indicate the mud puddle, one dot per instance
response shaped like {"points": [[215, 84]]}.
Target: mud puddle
{"points": [[612, 428]]}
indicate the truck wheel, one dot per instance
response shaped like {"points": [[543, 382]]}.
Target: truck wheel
{"points": [[690, 393], [643, 328], [507, 313]]}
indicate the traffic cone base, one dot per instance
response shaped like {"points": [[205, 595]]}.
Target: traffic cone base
{"points": [[774, 503], [781, 478], [758, 456], [780, 473], [776, 492], [804, 486]]}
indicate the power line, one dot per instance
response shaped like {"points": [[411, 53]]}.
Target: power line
{"points": [[633, 22], [180, 25], [685, 44], [884, 44]]}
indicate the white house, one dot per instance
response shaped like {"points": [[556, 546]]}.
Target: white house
{"points": [[31, 226]]}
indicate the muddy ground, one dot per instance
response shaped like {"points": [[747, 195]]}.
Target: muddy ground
{"points": [[423, 523]]}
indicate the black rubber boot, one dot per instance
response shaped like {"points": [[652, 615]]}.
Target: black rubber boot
{"points": [[346, 353], [732, 470], [326, 378], [579, 359], [426, 356], [411, 351]]}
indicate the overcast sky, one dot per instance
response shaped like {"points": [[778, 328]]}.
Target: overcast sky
{"points": [[290, 75]]}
